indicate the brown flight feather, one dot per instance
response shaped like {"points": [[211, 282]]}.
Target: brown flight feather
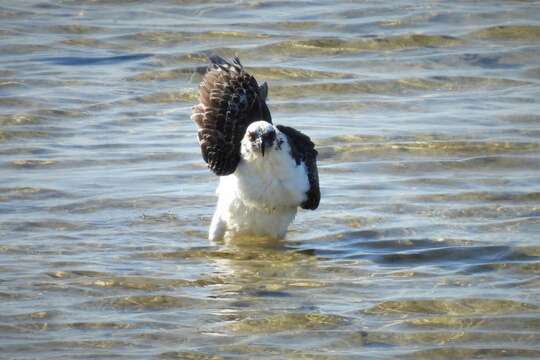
{"points": [[230, 99]]}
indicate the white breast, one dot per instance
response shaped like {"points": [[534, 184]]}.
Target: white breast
{"points": [[261, 197]]}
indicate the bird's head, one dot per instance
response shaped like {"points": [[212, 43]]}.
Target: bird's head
{"points": [[259, 139]]}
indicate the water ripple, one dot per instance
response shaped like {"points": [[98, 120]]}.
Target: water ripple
{"points": [[83, 61], [424, 246]]}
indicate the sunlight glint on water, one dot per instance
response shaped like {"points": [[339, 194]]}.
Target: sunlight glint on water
{"points": [[425, 245]]}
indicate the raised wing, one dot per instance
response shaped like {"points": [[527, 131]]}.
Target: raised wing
{"points": [[303, 150], [229, 100]]}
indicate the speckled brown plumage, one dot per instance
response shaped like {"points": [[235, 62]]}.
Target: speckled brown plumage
{"points": [[230, 99]]}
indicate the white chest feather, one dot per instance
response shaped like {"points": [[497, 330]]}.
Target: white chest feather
{"points": [[261, 197]]}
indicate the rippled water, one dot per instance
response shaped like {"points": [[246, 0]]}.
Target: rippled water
{"points": [[425, 245]]}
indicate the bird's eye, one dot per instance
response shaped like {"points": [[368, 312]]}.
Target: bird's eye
{"points": [[252, 136]]}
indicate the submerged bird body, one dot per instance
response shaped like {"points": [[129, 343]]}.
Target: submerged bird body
{"points": [[266, 171]]}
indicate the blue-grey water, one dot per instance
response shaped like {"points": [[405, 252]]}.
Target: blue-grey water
{"points": [[426, 242]]}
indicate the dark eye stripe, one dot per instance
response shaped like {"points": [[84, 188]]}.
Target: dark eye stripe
{"points": [[270, 136]]}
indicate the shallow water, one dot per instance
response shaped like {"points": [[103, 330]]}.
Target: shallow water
{"points": [[425, 245]]}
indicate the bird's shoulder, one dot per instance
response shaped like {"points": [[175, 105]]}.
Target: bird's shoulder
{"points": [[303, 151], [301, 145]]}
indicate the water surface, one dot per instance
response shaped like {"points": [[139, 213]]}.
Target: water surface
{"points": [[425, 245]]}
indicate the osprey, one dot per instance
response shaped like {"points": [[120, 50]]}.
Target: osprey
{"points": [[266, 171]]}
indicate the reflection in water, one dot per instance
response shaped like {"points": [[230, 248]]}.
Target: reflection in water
{"points": [[426, 241]]}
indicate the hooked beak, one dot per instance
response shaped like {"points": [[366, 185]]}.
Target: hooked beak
{"points": [[260, 146], [262, 143]]}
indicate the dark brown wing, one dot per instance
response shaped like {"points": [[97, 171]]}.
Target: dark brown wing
{"points": [[229, 100], [303, 150]]}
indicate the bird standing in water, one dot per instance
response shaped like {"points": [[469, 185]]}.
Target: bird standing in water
{"points": [[266, 171]]}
